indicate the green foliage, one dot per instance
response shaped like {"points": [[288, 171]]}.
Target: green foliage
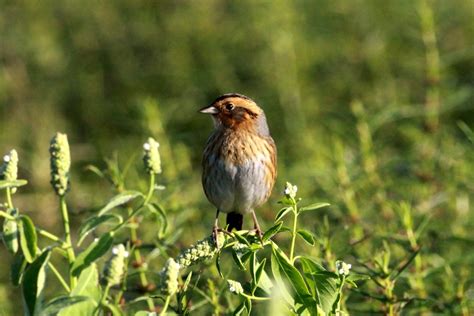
{"points": [[300, 284], [94, 251], [305, 292], [33, 284], [28, 238]]}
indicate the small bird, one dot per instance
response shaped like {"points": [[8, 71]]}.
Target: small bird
{"points": [[239, 161]]}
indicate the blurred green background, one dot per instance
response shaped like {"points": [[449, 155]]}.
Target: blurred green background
{"points": [[369, 102]]}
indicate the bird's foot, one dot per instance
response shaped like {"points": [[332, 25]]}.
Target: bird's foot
{"points": [[215, 235], [259, 233], [256, 227], [215, 231]]}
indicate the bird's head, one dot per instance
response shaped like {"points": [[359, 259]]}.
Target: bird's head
{"points": [[237, 111]]}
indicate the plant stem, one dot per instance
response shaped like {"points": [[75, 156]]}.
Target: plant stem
{"points": [[433, 65], [151, 188], [138, 259], [70, 251], [337, 311], [293, 236], [143, 279], [8, 193], [165, 307], [7, 216], [105, 294], [134, 237], [136, 252], [256, 298], [389, 294], [48, 235], [59, 277]]}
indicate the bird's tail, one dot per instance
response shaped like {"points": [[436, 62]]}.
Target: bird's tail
{"points": [[234, 220]]}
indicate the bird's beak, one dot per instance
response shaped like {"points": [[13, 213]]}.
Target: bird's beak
{"points": [[209, 110]]}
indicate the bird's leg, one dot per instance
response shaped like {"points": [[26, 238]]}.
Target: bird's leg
{"points": [[215, 229], [256, 226]]}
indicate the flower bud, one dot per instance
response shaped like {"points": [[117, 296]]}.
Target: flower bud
{"points": [[115, 267], [60, 163], [201, 251], [343, 268], [10, 232], [151, 157], [290, 190], [9, 167], [235, 287], [169, 277]]}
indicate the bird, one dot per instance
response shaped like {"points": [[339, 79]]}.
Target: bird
{"points": [[239, 164]]}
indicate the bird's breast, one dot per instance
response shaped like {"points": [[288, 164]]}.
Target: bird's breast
{"points": [[239, 172]]}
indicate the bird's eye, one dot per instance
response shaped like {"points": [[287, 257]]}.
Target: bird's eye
{"points": [[229, 106]]}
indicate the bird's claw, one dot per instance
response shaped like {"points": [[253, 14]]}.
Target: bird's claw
{"points": [[259, 233], [215, 231]]}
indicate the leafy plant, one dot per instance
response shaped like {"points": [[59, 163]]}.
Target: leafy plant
{"points": [[306, 286], [105, 272]]}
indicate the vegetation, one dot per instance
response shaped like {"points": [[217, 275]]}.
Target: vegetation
{"points": [[371, 108]]}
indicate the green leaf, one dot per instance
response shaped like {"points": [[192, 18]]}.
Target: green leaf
{"points": [[326, 286], [264, 282], [28, 238], [239, 310], [218, 264], [93, 222], [95, 170], [307, 236], [286, 201], [95, 250], [280, 283], [253, 268], [88, 284], [294, 278], [282, 213], [119, 199], [467, 130], [324, 282], [246, 256], [313, 207], [238, 261], [311, 266], [58, 305], [17, 268], [33, 284], [248, 306], [272, 231], [160, 212], [10, 232], [260, 269], [12, 183], [241, 238], [354, 277], [184, 288]]}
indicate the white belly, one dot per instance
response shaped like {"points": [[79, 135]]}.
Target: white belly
{"points": [[237, 188]]}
